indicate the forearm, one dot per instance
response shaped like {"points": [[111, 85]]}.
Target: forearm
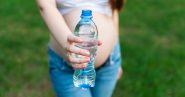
{"points": [[55, 23], [116, 19]]}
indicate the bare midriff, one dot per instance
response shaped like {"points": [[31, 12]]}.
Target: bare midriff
{"points": [[107, 33]]}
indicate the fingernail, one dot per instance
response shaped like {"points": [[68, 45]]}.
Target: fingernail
{"points": [[88, 59]]}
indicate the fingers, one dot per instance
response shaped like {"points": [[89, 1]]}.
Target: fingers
{"points": [[77, 50], [71, 48], [99, 43], [82, 53], [79, 66], [74, 60], [78, 62], [72, 38]]}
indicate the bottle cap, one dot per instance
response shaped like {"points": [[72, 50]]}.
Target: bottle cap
{"points": [[86, 13]]}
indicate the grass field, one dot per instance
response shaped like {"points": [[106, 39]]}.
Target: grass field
{"points": [[152, 34]]}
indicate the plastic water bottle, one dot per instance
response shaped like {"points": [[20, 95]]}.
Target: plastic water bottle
{"points": [[87, 30]]}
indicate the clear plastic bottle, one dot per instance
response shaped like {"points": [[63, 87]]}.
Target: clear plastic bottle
{"points": [[87, 30]]}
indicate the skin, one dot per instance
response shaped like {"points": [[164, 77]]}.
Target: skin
{"points": [[62, 39]]}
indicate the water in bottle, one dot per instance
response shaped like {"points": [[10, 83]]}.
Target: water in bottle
{"points": [[87, 30]]}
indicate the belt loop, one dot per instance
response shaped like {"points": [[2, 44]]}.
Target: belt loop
{"points": [[110, 59]]}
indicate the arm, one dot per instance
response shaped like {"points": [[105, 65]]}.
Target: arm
{"points": [[54, 20], [60, 31], [116, 19]]}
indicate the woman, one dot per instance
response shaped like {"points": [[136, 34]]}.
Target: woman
{"points": [[61, 17]]}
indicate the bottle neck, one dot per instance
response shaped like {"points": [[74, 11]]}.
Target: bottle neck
{"points": [[86, 18], [89, 17]]}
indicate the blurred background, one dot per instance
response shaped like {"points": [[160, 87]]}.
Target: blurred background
{"points": [[152, 34]]}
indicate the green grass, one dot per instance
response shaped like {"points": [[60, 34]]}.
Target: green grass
{"points": [[152, 42]]}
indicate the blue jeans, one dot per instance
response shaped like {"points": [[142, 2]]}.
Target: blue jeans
{"points": [[61, 74]]}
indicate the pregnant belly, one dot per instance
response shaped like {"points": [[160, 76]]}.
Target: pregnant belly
{"points": [[106, 33]]}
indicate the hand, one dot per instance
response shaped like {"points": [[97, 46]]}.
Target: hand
{"points": [[72, 49], [120, 73]]}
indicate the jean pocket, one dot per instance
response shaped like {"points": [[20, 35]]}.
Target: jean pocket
{"points": [[57, 62], [61, 66]]}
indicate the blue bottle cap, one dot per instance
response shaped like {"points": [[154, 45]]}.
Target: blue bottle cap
{"points": [[86, 13]]}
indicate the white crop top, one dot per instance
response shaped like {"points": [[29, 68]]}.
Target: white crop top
{"points": [[101, 6]]}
